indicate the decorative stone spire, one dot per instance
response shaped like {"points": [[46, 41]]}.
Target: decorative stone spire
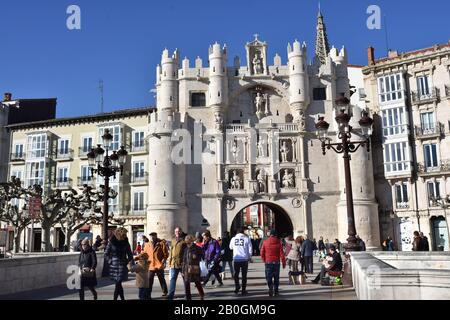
{"points": [[322, 46]]}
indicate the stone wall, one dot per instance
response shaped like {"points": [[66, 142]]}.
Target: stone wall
{"points": [[27, 272], [401, 275]]}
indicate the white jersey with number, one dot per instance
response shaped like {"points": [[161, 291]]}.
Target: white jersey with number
{"points": [[242, 247]]}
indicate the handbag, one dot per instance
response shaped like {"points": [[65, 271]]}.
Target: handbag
{"points": [[194, 270], [87, 273]]}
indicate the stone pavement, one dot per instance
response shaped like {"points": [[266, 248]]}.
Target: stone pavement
{"points": [[256, 287]]}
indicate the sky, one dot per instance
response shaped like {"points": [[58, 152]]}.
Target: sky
{"points": [[120, 42]]}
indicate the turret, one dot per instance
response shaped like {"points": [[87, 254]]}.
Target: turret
{"points": [[298, 77], [218, 82], [168, 89]]}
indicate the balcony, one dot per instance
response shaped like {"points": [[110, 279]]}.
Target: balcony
{"points": [[432, 130], [17, 157], [236, 128], [83, 151], [64, 155], [402, 205], [138, 210], [85, 180], [62, 183], [443, 167], [140, 178], [139, 147], [418, 98]]}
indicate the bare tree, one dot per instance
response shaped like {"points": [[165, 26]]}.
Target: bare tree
{"points": [[12, 214]]}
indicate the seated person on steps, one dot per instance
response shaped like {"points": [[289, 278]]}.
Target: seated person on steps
{"points": [[333, 263]]}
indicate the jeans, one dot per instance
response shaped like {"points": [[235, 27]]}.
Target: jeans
{"points": [[162, 280], [173, 275], [308, 264], [238, 266], [187, 287], [230, 264], [144, 294], [273, 275]]}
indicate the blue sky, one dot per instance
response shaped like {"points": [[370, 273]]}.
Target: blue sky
{"points": [[121, 41]]}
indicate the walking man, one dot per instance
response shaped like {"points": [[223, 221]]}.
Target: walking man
{"points": [[307, 254], [271, 254], [211, 251], [242, 254], [176, 260], [158, 253], [227, 254]]}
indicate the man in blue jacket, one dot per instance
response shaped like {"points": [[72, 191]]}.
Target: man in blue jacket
{"points": [[307, 254]]}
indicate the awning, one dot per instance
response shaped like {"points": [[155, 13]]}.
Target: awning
{"points": [[85, 228]]}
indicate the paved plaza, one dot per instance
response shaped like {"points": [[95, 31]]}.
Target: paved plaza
{"points": [[257, 289]]}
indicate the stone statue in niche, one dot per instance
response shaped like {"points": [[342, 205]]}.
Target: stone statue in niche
{"points": [[235, 149], [260, 145], [258, 67], [261, 103], [284, 152], [288, 179], [235, 181], [261, 179], [219, 121]]}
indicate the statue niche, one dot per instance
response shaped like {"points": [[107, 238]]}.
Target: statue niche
{"points": [[261, 101], [287, 178], [261, 179], [285, 151], [235, 179]]}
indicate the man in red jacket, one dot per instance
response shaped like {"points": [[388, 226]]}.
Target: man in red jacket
{"points": [[271, 254]]}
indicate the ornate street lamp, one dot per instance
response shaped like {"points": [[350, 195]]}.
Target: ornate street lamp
{"points": [[345, 146], [106, 166]]}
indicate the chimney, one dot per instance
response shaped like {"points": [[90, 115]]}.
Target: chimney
{"points": [[7, 97], [371, 55]]}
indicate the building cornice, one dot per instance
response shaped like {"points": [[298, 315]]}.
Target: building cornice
{"points": [[110, 116]]}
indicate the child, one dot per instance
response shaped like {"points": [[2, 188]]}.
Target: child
{"points": [[142, 278]]}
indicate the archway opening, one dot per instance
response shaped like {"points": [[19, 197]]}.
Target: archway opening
{"points": [[261, 218]]}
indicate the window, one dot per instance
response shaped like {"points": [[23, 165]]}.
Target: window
{"points": [[396, 157], [115, 132], [394, 121], [63, 175], [198, 99], [427, 122], [138, 139], [430, 155], [37, 146], [319, 94], [18, 148], [63, 146], [138, 201], [35, 173], [86, 144], [433, 191], [423, 85], [401, 193], [85, 174], [139, 169], [390, 88], [18, 174]]}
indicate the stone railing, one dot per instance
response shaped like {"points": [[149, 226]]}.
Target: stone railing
{"points": [[444, 166], [26, 272], [236, 127], [401, 275], [434, 129], [419, 98]]}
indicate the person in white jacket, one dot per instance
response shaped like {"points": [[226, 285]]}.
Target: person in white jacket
{"points": [[242, 254]]}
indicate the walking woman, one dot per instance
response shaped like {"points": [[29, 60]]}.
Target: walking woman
{"points": [[191, 267], [118, 254], [293, 256], [87, 262]]}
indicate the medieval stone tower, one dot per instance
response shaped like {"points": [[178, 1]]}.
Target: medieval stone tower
{"points": [[226, 136]]}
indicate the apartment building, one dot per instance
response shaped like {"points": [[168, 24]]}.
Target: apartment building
{"points": [[53, 154], [409, 94]]}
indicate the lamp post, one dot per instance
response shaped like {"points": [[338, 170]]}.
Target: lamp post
{"points": [[346, 147], [444, 204], [106, 166]]}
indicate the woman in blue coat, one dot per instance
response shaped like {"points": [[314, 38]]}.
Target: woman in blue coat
{"points": [[118, 255]]}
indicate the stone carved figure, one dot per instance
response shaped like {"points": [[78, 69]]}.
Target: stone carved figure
{"points": [[261, 104], [257, 63], [284, 152], [219, 121], [235, 181], [235, 150], [260, 146], [261, 179], [288, 179]]}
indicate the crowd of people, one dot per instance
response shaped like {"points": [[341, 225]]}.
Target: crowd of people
{"points": [[200, 259]]}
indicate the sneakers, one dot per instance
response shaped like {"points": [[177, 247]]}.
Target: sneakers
{"points": [[236, 291], [270, 293], [244, 292], [276, 294]]}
